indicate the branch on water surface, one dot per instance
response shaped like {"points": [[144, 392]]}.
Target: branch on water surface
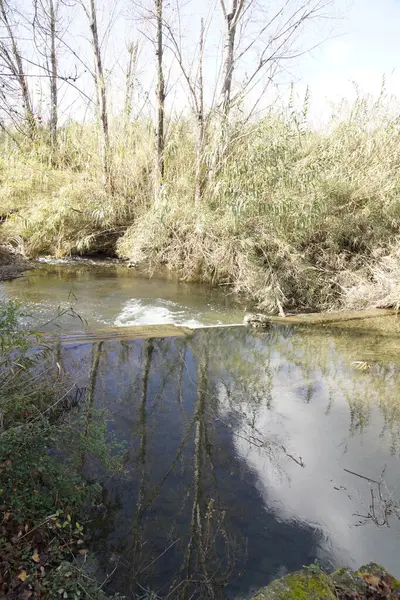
{"points": [[364, 477], [382, 505]]}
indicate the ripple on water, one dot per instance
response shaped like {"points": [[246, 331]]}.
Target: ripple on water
{"points": [[147, 311]]}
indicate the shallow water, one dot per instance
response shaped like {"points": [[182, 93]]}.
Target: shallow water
{"points": [[110, 294], [236, 448]]}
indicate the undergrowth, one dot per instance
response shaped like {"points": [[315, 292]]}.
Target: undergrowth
{"points": [[45, 500], [291, 217]]}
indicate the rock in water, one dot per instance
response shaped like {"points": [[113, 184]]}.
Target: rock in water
{"points": [[370, 582], [257, 320], [302, 585]]}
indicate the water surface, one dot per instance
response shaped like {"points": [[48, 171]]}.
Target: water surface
{"points": [[110, 294], [236, 448], [246, 452]]}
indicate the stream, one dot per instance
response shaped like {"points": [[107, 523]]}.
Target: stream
{"points": [[106, 294], [248, 453]]}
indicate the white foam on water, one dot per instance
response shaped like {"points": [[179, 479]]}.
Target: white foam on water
{"points": [[155, 312]]}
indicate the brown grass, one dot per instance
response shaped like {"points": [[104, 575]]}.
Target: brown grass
{"points": [[292, 217]]}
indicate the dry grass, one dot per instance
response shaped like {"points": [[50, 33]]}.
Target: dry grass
{"points": [[292, 217], [291, 212], [375, 286]]}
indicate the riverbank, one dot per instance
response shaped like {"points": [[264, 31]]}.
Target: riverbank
{"points": [[46, 501], [12, 264], [292, 219]]}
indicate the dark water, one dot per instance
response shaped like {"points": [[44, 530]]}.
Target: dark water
{"points": [[236, 450]]}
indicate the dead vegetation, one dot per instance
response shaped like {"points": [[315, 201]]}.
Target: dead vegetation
{"points": [[292, 218]]}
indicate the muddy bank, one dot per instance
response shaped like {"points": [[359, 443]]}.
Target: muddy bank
{"points": [[12, 264]]}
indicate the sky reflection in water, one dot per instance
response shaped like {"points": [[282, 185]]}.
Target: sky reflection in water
{"points": [[236, 448]]}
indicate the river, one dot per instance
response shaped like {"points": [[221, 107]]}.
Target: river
{"points": [[246, 451]]}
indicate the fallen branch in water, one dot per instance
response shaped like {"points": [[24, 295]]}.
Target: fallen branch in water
{"points": [[382, 505]]}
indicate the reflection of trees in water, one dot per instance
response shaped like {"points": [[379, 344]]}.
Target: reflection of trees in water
{"points": [[203, 570], [90, 394], [197, 535], [361, 368], [221, 380], [207, 514], [244, 376], [147, 354]]}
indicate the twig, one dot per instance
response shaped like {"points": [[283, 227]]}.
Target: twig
{"points": [[37, 527], [109, 576], [363, 477], [158, 557]]}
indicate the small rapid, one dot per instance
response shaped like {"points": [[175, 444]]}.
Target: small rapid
{"points": [[88, 294]]}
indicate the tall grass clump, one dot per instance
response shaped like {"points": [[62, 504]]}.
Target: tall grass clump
{"points": [[291, 216], [289, 213]]}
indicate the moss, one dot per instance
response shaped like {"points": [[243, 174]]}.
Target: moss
{"points": [[302, 585], [313, 584], [345, 579]]}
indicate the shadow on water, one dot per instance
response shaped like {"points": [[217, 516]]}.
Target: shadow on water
{"points": [[235, 448]]}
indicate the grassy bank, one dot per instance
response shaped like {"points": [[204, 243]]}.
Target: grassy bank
{"points": [[45, 500], [292, 217]]}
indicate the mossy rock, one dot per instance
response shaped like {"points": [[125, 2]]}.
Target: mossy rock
{"points": [[378, 571], [301, 585], [314, 584], [346, 579]]}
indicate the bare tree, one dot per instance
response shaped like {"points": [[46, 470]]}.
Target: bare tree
{"points": [[232, 18], [54, 74], [273, 40], [201, 126], [101, 95], [130, 81], [264, 40], [13, 63], [45, 32], [195, 86], [160, 99]]}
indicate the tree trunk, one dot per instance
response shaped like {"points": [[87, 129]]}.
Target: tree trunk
{"points": [[200, 179], [53, 78], [160, 167], [19, 73], [229, 48], [133, 52], [231, 21], [101, 89]]}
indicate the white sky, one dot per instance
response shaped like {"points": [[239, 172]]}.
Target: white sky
{"points": [[366, 48], [362, 45]]}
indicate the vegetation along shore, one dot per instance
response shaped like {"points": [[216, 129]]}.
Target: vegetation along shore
{"points": [[289, 214]]}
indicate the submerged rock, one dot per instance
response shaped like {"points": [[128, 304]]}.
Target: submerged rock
{"points": [[370, 582]]}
